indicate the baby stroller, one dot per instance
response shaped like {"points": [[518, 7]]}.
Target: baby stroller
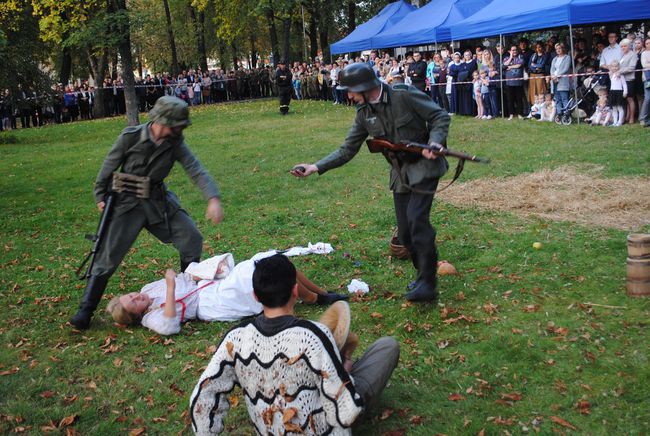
{"points": [[579, 109]]}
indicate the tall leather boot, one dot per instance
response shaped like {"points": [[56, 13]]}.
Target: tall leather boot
{"points": [[91, 298]]}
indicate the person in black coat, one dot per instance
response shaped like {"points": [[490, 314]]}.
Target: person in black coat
{"points": [[418, 72], [283, 80]]}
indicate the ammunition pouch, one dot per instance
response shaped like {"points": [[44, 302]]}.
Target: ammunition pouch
{"points": [[138, 186]]}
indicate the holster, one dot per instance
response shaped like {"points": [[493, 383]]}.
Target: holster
{"points": [[138, 186]]}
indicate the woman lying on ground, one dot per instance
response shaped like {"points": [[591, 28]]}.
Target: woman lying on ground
{"points": [[228, 296]]}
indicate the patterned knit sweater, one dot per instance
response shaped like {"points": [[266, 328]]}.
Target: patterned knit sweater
{"points": [[293, 381]]}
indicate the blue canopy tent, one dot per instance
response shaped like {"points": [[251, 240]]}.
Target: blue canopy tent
{"points": [[512, 16], [606, 11], [428, 24], [360, 38]]}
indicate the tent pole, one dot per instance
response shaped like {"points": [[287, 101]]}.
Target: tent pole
{"points": [[573, 69], [503, 112]]}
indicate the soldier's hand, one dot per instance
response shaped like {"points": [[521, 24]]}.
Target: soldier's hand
{"points": [[214, 211], [101, 206], [428, 154], [304, 170]]}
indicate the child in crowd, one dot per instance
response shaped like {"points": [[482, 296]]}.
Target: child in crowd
{"points": [[476, 86], [536, 108], [488, 114], [603, 114], [548, 109], [617, 94]]}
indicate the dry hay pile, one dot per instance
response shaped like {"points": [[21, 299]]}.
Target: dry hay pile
{"points": [[563, 194]]}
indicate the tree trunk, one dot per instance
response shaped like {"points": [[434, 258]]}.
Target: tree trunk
{"points": [[203, 57], [222, 55], [324, 44], [170, 36], [139, 56], [98, 67], [313, 35], [234, 55], [198, 25], [275, 47], [253, 51], [286, 38], [130, 96], [66, 67], [352, 19]]}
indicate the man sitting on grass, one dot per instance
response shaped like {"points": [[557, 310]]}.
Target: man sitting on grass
{"points": [[290, 370]]}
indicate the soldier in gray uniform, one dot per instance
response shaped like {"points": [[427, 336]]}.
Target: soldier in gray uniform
{"points": [[396, 114], [147, 151]]}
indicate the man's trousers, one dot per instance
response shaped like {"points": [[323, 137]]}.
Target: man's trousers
{"points": [[416, 233], [123, 229]]}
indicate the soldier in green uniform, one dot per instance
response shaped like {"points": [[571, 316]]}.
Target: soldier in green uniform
{"points": [[396, 114], [148, 150]]}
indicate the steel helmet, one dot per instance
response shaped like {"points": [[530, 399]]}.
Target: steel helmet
{"points": [[358, 77]]}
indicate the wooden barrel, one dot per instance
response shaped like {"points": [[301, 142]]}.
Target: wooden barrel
{"points": [[638, 246], [638, 277]]}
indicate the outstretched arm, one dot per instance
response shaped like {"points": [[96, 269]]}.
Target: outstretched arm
{"points": [[170, 299]]}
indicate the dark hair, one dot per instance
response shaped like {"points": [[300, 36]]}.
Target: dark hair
{"points": [[273, 279]]}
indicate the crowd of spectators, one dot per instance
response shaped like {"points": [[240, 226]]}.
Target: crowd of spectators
{"points": [[536, 80], [520, 80]]}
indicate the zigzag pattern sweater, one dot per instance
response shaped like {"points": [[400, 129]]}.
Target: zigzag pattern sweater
{"points": [[292, 379]]}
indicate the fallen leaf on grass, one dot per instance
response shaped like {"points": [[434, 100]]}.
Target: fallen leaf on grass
{"points": [[68, 420], [47, 394], [137, 431], [517, 331], [178, 391], [387, 413], [531, 308], [10, 371], [399, 432], [583, 407], [117, 362], [455, 397], [514, 396], [69, 399], [376, 315], [160, 419], [416, 420], [562, 422], [233, 400]]}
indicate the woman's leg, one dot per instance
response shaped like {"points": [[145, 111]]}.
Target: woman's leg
{"points": [[631, 109], [307, 290]]}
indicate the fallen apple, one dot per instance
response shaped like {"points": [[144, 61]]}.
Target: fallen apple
{"points": [[446, 269]]}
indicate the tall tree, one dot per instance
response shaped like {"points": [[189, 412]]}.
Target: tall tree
{"points": [[198, 25], [269, 14], [170, 37], [126, 57], [352, 23]]}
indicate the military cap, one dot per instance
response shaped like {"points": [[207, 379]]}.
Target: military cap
{"points": [[170, 111]]}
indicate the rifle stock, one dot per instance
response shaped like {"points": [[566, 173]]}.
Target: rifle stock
{"points": [[378, 145]]}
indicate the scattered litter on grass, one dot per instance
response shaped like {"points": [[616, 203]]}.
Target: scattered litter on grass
{"points": [[567, 193], [358, 286]]}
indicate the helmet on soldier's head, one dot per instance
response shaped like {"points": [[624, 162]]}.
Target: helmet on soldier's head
{"points": [[358, 77], [170, 111]]}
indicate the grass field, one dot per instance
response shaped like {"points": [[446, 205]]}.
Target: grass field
{"points": [[510, 348]]}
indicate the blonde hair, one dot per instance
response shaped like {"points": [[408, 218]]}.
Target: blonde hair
{"points": [[120, 314]]}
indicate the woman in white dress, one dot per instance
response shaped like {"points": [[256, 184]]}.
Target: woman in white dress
{"points": [[215, 290]]}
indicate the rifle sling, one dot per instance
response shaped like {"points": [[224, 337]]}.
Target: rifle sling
{"points": [[395, 162]]}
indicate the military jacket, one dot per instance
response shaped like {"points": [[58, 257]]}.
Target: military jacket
{"points": [[136, 153], [283, 78], [403, 113]]}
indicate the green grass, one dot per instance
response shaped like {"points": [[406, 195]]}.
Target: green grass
{"points": [[554, 355]]}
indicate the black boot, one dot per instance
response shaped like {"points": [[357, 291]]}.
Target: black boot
{"points": [[423, 291], [330, 298], [411, 285], [91, 298]]}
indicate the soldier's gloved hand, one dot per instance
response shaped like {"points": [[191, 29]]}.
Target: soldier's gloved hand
{"points": [[214, 211]]}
